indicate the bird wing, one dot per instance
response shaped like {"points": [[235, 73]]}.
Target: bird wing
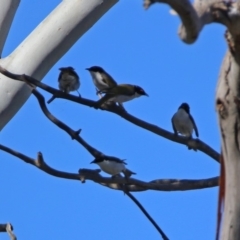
{"points": [[72, 72], [111, 82], [173, 126], [121, 89], [194, 125], [60, 76], [117, 160]]}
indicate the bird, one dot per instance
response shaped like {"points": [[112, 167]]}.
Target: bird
{"points": [[101, 78], [113, 166], [120, 93], [68, 80], [183, 122]]}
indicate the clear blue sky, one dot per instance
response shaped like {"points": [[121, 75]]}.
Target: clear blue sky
{"points": [[138, 47]]}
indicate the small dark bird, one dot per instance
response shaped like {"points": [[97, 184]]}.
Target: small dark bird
{"points": [[120, 93], [183, 122], [113, 166], [101, 79], [68, 80]]}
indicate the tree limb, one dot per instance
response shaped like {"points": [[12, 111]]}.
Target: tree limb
{"points": [[7, 11], [40, 164], [9, 229], [195, 16], [132, 185], [194, 143]]}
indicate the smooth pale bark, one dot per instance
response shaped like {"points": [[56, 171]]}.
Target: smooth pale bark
{"points": [[7, 11], [229, 121], [44, 47]]}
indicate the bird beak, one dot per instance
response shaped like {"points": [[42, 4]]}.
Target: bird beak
{"points": [[87, 69], [60, 69], [146, 95], [92, 161]]}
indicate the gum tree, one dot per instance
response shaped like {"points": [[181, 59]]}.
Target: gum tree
{"points": [[26, 75]]}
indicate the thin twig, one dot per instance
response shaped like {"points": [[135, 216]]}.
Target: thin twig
{"points": [[147, 215]]}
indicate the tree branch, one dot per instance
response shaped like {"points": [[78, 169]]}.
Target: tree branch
{"points": [[53, 37], [147, 215], [190, 22], [9, 229], [195, 16], [194, 143], [7, 11], [133, 185], [40, 164]]}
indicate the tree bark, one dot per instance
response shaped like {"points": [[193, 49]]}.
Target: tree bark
{"points": [[44, 47], [227, 103], [7, 11]]}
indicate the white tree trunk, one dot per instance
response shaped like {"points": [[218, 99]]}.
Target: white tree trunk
{"points": [[229, 121], [7, 11], [44, 47]]}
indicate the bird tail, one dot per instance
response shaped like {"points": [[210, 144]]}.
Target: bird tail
{"points": [[128, 173]]}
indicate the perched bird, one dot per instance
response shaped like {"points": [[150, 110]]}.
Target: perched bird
{"points": [[183, 122], [120, 93], [113, 166], [68, 80], [101, 78]]}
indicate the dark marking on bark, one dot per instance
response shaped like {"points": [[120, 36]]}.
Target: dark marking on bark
{"points": [[230, 42], [223, 139], [226, 81], [220, 11], [221, 108], [237, 101], [236, 133]]}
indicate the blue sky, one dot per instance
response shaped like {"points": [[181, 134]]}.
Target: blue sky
{"points": [[137, 47]]}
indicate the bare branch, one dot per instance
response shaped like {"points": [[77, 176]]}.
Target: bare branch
{"points": [[40, 164], [194, 143], [9, 229], [135, 185], [147, 215], [132, 184], [191, 24], [195, 17]]}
